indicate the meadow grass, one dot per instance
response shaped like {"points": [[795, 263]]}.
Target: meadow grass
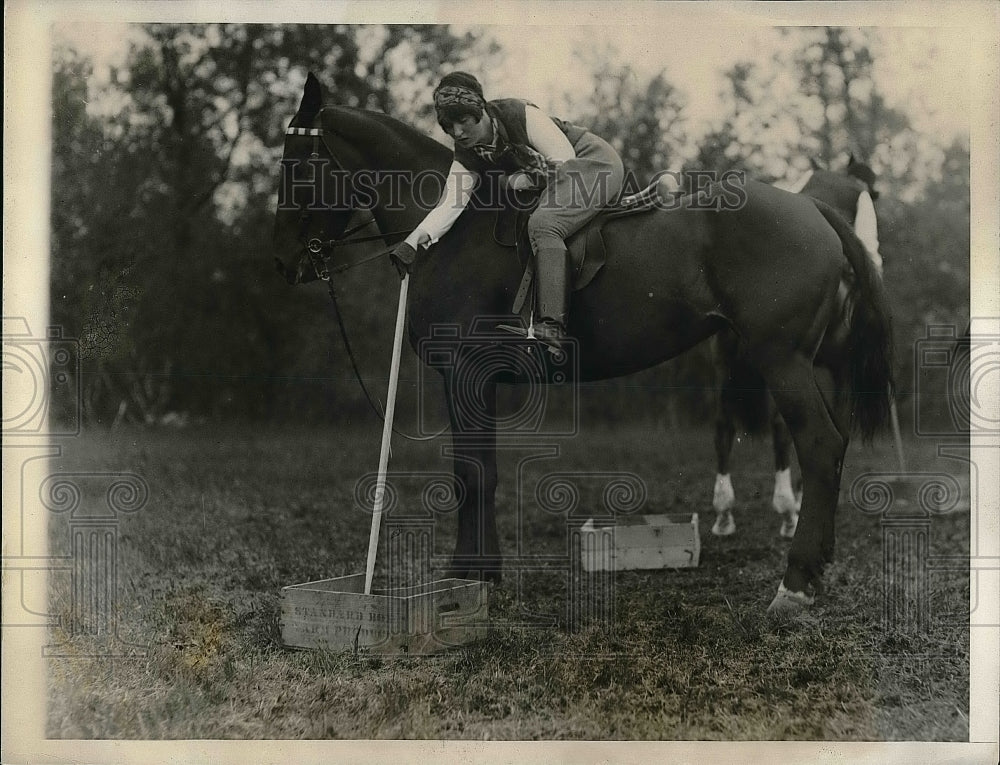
{"points": [[237, 513]]}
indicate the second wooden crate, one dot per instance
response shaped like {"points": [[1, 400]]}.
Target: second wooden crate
{"points": [[641, 542]]}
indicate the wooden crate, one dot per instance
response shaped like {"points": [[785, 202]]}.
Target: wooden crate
{"points": [[641, 542], [335, 614]]}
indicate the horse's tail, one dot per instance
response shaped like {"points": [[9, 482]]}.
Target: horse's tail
{"points": [[869, 336]]}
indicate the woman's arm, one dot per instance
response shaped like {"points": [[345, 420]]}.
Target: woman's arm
{"points": [[548, 140], [546, 137], [457, 192]]}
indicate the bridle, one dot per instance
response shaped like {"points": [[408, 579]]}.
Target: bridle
{"points": [[319, 250]]}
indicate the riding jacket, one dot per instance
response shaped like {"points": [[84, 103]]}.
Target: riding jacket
{"points": [[516, 123]]}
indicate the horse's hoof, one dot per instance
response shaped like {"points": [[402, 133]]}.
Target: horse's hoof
{"points": [[788, 602], [785, 504], [788, 526], [724, 525]]}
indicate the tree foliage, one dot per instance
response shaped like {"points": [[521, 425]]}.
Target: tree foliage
{"points": [[163, 191], [163, 203]]}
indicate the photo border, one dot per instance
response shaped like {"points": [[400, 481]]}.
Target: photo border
{"points": [[27, 109]]}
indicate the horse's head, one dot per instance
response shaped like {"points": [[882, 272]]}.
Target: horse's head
{"points": [[863, 173], [313, 202], [340, 161]]}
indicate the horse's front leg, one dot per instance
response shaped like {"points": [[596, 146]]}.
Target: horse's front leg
{"points": [[472, 410]]}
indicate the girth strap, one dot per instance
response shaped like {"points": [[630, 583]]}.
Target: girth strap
{"points": [[525, 286]]}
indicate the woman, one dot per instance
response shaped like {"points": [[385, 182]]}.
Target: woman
{"points": [[581, 171]]}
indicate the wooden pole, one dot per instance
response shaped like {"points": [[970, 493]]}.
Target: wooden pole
{"points": [[390, 409]]}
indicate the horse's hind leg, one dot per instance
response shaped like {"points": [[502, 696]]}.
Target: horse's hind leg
{"points": [[784, 501], [820, 445], [723, 497]]}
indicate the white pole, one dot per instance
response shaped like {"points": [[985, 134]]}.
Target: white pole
{"points": [[383, 459]]}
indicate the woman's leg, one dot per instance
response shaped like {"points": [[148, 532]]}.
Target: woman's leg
{"points": [[579, 189]]}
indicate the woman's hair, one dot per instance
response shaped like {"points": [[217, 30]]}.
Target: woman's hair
{"points": [[457, 96]]}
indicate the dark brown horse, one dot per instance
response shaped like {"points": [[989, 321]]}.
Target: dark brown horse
{"points": [[769, 267], [742, 396]]}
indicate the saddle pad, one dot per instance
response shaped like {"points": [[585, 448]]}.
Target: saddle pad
{"points": [[586, 248]]}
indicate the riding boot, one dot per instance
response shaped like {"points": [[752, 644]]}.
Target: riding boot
{"points": [[552, 275]]}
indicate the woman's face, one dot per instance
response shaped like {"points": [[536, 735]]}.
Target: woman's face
{"points": [[469, 130]]}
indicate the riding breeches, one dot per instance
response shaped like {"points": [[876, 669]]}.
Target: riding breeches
{"points": [[579, 188]]}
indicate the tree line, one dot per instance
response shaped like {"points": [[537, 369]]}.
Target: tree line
{"points": [[164, 178]]}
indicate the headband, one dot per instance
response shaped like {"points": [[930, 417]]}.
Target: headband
{"points": [[455, 94]]}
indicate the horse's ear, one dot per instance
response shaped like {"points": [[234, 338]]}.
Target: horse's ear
{"points": [[312, 98], [850, 159]]}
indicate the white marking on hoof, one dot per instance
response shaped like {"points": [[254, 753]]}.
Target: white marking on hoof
{"points": [[788, 525], [723, 498], [724, 524], [789, 602], [784, 500], [786, 503]]}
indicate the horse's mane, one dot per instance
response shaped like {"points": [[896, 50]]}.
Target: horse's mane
{"points": [[385, 135]]}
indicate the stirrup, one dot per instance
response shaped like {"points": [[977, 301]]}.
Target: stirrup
{"points": [[531, 333], [551, 333]]}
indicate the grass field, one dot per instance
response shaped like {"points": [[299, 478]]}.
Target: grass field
{"points": [[236, 514]]}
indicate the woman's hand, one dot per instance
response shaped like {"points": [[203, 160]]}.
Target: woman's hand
{"points": [[519, 182], [403, 256]]}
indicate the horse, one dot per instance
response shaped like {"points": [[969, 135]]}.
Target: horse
{"points": [[769, 267], [741, 394]]}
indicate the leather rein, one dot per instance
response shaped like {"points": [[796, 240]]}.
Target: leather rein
{"points": [[319, 252]]}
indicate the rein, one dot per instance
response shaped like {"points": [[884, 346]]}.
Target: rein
{"points": [[318, 249]]}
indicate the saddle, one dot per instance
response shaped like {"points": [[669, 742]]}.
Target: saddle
{"points": [[587, 251]]}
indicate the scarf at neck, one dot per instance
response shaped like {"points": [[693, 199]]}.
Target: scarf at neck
{"points": [[529, 161]]}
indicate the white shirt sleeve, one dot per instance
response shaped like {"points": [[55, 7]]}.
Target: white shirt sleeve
{"points": [[545, 136], [866, 227], [457, 193]]}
